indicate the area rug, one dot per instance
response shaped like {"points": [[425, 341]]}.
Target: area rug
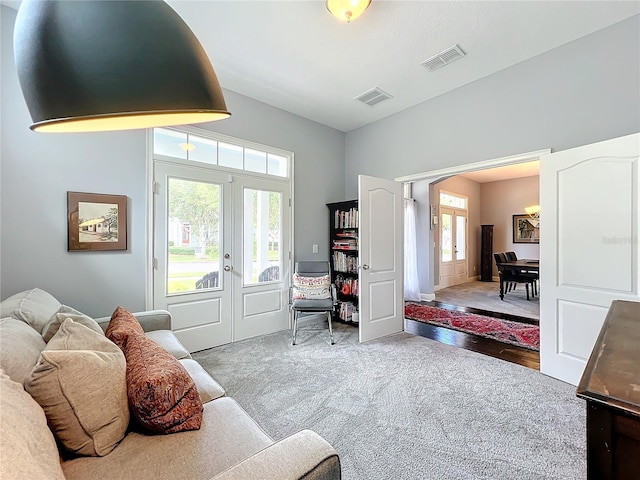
{"points": [[506, 331]]}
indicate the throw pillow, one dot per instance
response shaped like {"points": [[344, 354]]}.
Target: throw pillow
{"points": [[20, 347], [162, 395], [27, 447], [51, 328], [121, 325], [311, 288], [33, 306], [80, 383]]}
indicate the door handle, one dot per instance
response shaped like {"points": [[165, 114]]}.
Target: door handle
{"points": [[365, 267], [228, 268]]}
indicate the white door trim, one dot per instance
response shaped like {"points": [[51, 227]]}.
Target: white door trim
{"points": [[433, 175]]}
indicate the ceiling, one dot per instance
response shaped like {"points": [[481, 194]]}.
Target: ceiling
{"points": [[295, 56]]}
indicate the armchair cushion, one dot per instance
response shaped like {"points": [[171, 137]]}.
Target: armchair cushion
{"points": [[20, 347], [311, 288]]}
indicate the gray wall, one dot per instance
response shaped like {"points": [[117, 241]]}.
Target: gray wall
{"points": [[579, 93], [38, 169]]}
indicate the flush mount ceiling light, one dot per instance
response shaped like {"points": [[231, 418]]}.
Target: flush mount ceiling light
{"points": [[112, 65], [347, 10]]}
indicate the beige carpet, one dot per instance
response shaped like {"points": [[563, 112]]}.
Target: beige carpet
{"points": [[486, 296]]}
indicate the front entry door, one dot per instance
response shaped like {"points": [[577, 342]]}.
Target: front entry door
{"points": [[221, 250], [589, 226], [192, 248], [453, 247], [381, 262]]}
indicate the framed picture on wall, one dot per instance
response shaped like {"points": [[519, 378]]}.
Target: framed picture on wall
{"points": [[96, 222], [525, 229]]}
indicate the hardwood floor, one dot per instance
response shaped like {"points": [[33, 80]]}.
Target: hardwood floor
{"points": [[486, 346]]}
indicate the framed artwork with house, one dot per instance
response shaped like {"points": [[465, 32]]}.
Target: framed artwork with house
{"points": [[96, 222], [525, 229]]}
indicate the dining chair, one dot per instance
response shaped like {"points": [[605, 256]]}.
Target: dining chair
{"points": [[535, 276], [312, 292], [510, 276]]}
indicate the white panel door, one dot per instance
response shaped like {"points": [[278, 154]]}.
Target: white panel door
{"points": [[191, 238], [589, 253], [262, 232], [381, 271]]}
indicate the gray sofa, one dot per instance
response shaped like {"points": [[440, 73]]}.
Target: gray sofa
{"points": [[229, 444]]}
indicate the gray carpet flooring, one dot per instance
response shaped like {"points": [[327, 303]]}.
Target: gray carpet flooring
{"points": [[486, 295], [407, 407]]}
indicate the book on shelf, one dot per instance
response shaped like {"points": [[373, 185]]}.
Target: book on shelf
{"points": [[345, 244], [345, 263], [346, 218], [346, 311]]}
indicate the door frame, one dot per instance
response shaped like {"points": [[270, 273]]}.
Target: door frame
{"points": [[151, 196], [434, 175]]}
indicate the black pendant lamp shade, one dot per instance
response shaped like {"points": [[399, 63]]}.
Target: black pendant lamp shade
{"points": [[112, 65]]}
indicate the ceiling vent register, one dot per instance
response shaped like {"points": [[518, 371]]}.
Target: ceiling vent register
{"points": [[443, 58], [373, 97]]}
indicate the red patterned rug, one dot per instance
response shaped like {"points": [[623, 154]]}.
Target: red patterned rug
{"points": [[515, 333]]}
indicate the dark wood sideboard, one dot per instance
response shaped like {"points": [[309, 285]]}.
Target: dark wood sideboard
{"points": [[611, 386]]}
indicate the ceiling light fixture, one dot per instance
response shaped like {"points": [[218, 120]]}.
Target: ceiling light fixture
{"points": [[187, 147], [112, 65], [347, 10]]}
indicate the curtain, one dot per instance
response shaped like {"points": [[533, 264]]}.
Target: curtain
{"points": [[411, 285]]}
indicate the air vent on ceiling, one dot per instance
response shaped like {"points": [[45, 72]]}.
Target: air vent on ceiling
{"points": [[373, 97], [443, 58]]}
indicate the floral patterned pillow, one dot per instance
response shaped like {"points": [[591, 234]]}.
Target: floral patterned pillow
{"points": [[311, 288]]}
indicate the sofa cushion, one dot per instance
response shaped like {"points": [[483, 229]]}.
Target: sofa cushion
{"points": [[162, 395], [80, 383], [33, 306], [122, 323], [207, 387], [51, 328], [27, 447], [20, 347], [227, 436], [167, 340]]}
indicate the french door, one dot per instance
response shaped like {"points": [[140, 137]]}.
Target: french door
{"points": [[453, 247], [221, 253]]}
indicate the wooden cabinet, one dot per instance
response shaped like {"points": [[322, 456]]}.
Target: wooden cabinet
{"points": [[486, 254], [343, 243], [611, 386]]}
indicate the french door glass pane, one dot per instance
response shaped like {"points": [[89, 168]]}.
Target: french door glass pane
{"points": [[447, 238], [262, 236], [194, 223], [461, 242]]}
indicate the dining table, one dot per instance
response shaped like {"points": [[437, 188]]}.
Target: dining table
{"points": [[524, 265]]}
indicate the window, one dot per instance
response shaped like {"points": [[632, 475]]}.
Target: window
{"points": [[451, 200], [197, 148]]}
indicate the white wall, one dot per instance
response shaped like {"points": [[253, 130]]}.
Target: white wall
{"points": [[576, 94], [38, 169]]}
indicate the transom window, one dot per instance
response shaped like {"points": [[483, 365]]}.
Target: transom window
{"points": [[451, 200], [187, 146]]}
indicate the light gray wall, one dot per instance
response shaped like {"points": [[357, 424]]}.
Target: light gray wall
{"points": [[576, 94], [38, 169], [499, 202]]}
